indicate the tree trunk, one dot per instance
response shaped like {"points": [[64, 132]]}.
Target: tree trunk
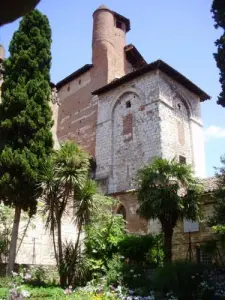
{"points": [[71, 279], [60, 255], [54, 245], [168, 235], [24, 233], [12, 250]]}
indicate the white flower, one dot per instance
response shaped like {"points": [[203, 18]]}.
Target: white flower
{"points": [[25, 294], [131, 271], [27, 276], [14, 274]]}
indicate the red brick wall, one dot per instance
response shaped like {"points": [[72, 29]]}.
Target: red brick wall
{"points": [[77, 118]]}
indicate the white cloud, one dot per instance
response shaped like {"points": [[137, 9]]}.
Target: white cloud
{"points": [[214, 132]]}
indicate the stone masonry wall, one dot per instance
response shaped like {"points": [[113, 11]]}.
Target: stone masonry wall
{"points": [[198, 238], [180, 241], [126, 149], [182, 129], [37, 246], [146, 117]]}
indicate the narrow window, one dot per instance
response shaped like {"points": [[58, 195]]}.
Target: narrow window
{"points": [[119, 24], [182, 160], [79, 81], [128, 104]]}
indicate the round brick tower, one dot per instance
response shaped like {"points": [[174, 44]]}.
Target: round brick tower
{"points": [[109, 40]]}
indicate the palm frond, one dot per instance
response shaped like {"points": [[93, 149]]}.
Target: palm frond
{"points": [[84, 203]]}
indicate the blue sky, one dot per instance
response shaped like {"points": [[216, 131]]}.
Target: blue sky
{"points": [[179, 32]]}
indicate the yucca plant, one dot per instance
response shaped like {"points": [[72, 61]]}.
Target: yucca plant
{"points": [[65, 185]]}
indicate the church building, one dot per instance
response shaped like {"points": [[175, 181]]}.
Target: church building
{"points": [[124, 112]]}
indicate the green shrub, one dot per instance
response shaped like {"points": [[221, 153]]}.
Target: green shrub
{"points": [[182, 278], [103, 235], [49, 292], [133, 276], [5, 282], [3, 292], [136, 247], [155, 255], [115, 270]]}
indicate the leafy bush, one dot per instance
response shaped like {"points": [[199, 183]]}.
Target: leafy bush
{"points": [[103, 235], [3, 292], [155, 255], [5, 281], [115, 270], [185, 279], [48, 292], [133, 276], [136, 247], [73, 265]]}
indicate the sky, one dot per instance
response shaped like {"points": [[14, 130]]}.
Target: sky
{"points": [[179, 32]]}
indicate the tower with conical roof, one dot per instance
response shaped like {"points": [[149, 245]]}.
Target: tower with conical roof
{"points": [[109, 40]]}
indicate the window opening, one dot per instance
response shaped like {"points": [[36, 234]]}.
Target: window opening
{"points": [[182, 160], [119, 24], [128, 104]]}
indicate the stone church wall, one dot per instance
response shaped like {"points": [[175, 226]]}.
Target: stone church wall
{"points": [[37, 246], [128, 132], [146, 117], [181, 241]]}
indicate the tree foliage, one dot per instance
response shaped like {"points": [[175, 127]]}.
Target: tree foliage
{"points": [[103, 235], [217, 220], [168, 192], [66, 187], [218, 10], [25, 114]]}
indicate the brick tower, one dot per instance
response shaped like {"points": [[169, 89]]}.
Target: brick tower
{"points": [[109, 40]]}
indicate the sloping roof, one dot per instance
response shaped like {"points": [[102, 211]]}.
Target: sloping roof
{"points": [[74, 75], [157, 65], [134, 56]]}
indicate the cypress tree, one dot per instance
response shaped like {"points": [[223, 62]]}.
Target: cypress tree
{"points": [[218, 10], [25, 118]]}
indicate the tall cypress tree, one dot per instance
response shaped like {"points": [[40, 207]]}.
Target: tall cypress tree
{"points": [[218, 10], [25, 118]]}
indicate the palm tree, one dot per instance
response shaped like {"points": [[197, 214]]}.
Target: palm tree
{"points": [[168, 191], [65, 177], [84, 206]]}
